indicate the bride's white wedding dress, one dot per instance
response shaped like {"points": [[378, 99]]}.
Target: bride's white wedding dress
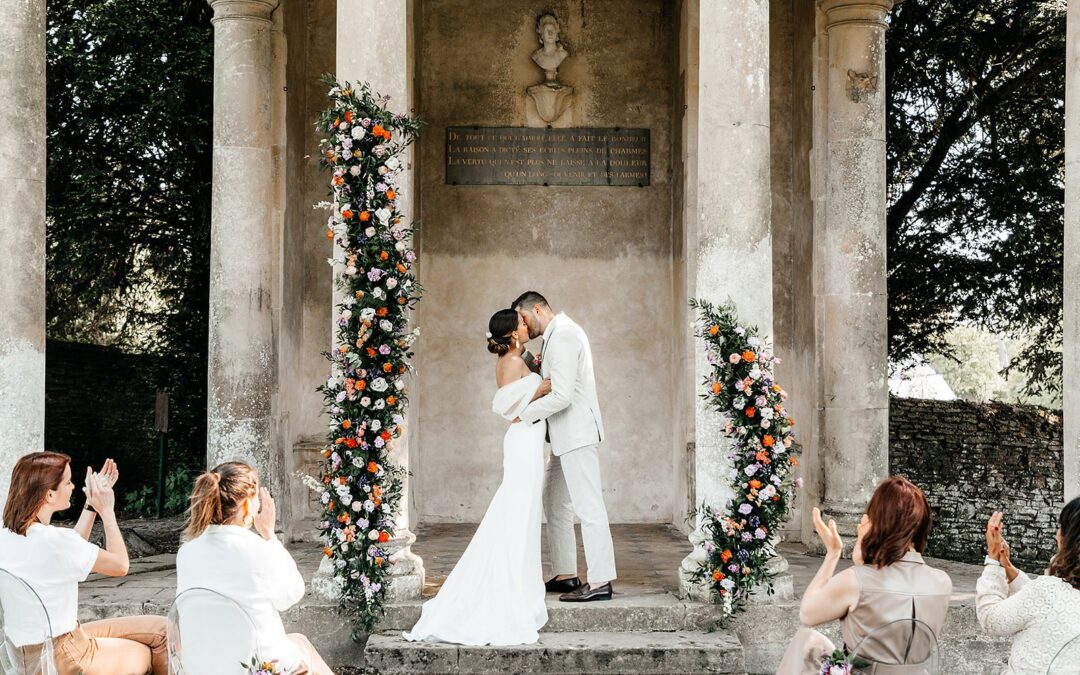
{"points": [[495, 594]]}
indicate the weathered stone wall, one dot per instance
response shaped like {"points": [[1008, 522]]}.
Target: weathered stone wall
{"points": [[99, 402], [601, 254], [972, 459]]}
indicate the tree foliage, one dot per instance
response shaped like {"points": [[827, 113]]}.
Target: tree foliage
{"points": [[129, 113], [975, 114]]}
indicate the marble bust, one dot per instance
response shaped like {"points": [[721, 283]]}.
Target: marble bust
{"points": [[551, 99]]}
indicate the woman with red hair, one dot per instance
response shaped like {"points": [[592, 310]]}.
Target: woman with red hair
{"points": [[888, 581], [53, 560]]}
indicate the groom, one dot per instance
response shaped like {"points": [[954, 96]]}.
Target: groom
{"points": [[573, 474]]}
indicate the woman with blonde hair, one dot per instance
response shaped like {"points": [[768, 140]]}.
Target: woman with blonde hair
{"points": [[253, 569], [53, 560], [889, 581]]}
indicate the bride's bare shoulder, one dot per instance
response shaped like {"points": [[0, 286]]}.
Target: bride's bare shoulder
{"points": [[508, 368]]}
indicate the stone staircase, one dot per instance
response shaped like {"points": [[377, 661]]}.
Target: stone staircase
{"points": [[646, 633]]}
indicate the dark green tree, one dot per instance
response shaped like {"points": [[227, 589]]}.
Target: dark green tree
{"points": [[130, 86], [975, 114]]}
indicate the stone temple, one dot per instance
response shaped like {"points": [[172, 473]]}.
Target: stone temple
{"points": [[763, 182]]}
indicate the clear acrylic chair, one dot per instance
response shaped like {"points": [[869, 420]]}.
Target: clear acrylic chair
{"points": [[902, 647], [26, 639], [208, 634], [1067, 659]]}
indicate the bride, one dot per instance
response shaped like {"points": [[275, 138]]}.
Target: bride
{"points": [[495, 594]]}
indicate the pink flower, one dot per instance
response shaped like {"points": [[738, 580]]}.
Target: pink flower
{"points": [[734, 358]]}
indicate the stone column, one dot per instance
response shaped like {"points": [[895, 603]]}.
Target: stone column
{"points": [[728, 205], [242, 378], [381, 54], [22, 232], [1071, 332], [850, 259]]}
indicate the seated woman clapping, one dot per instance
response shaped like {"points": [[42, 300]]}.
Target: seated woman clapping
{"points": [[53, 560], [1043, 613], [253, 570], [888, 581]]}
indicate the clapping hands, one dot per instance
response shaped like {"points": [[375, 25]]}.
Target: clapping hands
{"points": [[99, 487], [830, 537], [996, 546]]}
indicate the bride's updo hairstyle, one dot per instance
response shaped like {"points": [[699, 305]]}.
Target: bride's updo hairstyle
{"points": [[218, 495], [500, 326]]}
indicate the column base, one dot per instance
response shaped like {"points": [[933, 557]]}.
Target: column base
{"points": [[406, 580], [700, 590]]}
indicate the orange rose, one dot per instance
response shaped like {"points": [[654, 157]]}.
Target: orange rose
{"points": [[372, 467], [726, 555], [402, 269], [717, 575], [391, 400], [346, 424], [379, 561], [401, 300], [763, 457], [365, 216], [346, 214], [755, 484], [361, 385], [349, 116], [750, 411], [794, 461], [337, 123], [329, 234], [383, 255], [377, 130], [768, 441], [382, 311], [371, 352], [714, 329], [717, 388], [749, 356], [385, 435], [387, 367], [390, 194], [383, 537], [327, 552]]}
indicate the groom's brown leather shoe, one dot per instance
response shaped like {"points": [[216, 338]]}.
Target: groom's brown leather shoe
{"points": [[557, 585], [586, 594]]}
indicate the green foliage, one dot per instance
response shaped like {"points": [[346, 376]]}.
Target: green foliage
{"points": [[365, 395], [975, 115], [142, 501], [129, 164]]}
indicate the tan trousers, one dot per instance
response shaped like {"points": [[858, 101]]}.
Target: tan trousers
{"points": [[132, 645], [313, 664]]}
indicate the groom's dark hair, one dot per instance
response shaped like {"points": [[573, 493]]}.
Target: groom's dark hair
{"points": [[529, 299]]}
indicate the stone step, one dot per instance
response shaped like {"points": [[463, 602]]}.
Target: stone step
{"points": [[582, 652], [655, 612]]}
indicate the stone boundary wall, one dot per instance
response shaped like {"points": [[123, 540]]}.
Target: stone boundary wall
{"points": [[99, 402], [972, 459]]}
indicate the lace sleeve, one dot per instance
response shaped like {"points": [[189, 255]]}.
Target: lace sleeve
{"points": [[1002, 614]]}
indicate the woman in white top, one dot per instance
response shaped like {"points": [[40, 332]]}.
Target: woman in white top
{"points": [[53, 560], [1043, 613], [253, 570]]}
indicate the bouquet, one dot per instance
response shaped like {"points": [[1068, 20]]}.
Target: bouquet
{"points": [[837, 663]]}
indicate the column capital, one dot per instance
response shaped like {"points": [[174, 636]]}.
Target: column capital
{"points": [[243, 9], [857, 11]]}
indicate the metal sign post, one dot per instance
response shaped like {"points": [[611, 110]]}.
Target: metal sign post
{"points": [[161, 426]]}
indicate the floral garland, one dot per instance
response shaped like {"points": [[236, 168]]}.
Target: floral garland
{"points": [[365, 394], [740, 537]]}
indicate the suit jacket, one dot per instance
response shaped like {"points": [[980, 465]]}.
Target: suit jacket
{"points": [[571, 409]]}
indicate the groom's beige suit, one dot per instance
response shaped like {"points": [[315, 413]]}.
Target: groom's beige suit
{"points": [[576, 429]]}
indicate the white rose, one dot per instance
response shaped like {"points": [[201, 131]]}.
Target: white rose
{"points": [[399, 246], [343, 126], [383, 215], [355, 170], [356, 506], [346, 314], [399, 385], [367, 314], [379, 293], [380, 404], [376, 425], [369, 506], [393, 163], [358, 132], [365, 401], [386, 325], [383, 170], [391, 282], [373, 535], [370, 232]]}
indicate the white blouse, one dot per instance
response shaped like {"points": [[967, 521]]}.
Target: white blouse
{"points": [[52, 560], [257, 574], [1043, 613]]}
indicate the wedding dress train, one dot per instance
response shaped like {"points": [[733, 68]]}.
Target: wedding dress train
{"points": [[495, 594]]}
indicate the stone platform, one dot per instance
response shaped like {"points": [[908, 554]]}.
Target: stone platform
{"points": [[646, 628]]}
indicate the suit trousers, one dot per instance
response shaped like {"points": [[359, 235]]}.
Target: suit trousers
{"points": [[573, 486]]}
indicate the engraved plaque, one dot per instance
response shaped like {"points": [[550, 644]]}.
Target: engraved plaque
{"points": [[526, 156]]}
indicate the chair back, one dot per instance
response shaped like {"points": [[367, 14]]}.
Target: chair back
{"points": [[901, 647], [26, 639], [1067, 659], [208, 634]]}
